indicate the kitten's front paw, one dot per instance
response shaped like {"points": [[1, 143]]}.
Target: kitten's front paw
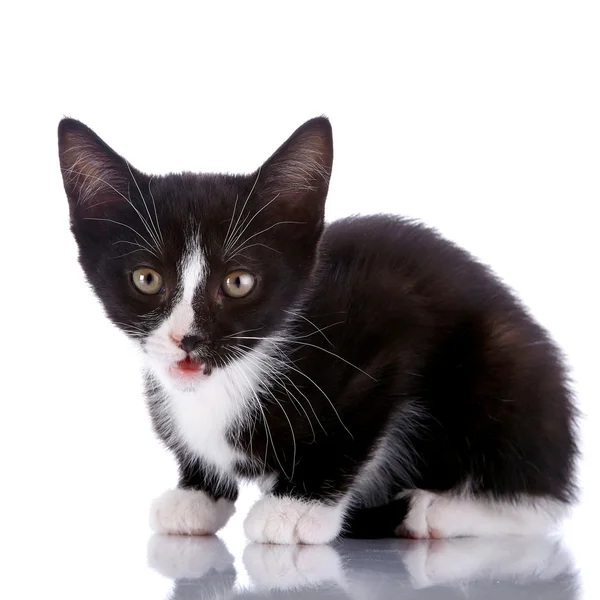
{"points": [[286, 520], [189, 512]]}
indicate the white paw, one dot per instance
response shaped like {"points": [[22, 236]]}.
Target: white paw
{"points": [[416, 524], [286, 520], [437, 516], [189, 512]]}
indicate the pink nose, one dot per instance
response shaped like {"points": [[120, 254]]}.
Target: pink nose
{"points": [[176, 339]]}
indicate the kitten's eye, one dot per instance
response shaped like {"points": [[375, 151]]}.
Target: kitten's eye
{"points": [[147, 280], [238, 284]]}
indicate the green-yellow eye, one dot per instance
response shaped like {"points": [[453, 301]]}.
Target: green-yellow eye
{"points": [[147, 281], [238, 284]]}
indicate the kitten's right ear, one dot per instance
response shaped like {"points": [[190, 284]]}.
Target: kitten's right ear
{"points": [[94, 175]]}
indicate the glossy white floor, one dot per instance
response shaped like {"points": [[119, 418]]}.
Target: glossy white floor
{"points": [[83, 553]]}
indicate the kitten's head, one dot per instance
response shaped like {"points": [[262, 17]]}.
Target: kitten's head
{"points": [[188, 263]]}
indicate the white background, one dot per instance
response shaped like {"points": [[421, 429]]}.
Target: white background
{"points": [[481, 118]]}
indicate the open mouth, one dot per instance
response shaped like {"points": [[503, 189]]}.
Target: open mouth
{"points": [[189, 368]]}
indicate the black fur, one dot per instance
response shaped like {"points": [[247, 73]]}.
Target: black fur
{"points": [[418, 341]]}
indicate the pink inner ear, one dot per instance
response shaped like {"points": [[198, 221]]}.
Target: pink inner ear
{"points": [[300, 169], [301, 165], [90, 174]]}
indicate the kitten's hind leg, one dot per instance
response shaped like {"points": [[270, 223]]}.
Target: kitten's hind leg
{"points": [[447, 515]]}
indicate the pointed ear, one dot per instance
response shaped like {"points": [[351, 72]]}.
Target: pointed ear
{"points": [[94, 175], [297, 174]]}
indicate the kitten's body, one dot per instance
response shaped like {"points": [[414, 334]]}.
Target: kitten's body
{"points": [[382, 380]]}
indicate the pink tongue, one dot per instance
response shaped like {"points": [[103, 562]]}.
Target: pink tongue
{"points": [[190, 365]]}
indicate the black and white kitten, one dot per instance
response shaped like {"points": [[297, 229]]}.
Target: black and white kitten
{"points": [[373, 377]]}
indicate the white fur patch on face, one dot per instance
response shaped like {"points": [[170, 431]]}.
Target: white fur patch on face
{"points": [[193, 276], [189, 512], [292, 567], [160, 347], [446, 515], [287, 520]]}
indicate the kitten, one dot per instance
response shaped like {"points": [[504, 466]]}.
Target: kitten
{"points": [[374, 378]]}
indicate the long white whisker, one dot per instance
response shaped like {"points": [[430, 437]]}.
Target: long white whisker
{"points": [[239, 252], [247, 224], [291, 341], [122, 196], [295, 314], [132, 252], [143, 220], [309, 404], [286, 364], [124, 225], [291, 429], [240, 390], [230, 222], [272, 371], [325, 395], [296, 402], [245, 203], [131, 244], [162, 239], [301, 337], [242, 247], [243, 331], [265, 421], [155, 235]]}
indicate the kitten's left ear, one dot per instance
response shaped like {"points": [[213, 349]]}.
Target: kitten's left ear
{"points": [[94, 175], [296, 177]]}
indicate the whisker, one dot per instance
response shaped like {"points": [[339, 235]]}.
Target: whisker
{"points": [[244, 331], [247, 224], [266, 424], [242, 247], [128, 200], [155, 213], [309, 404], [246, 202], [292, 341], [128, 253], [301, 337], [239, 252], [225, 240], [155, 234], [124, 225], [133, 244], [285, 364], [295, 314], [325, 395]]}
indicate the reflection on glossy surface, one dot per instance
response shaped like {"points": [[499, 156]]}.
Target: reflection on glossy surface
{"points": [[494, 568]]}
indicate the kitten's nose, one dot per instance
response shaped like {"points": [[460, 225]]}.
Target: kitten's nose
{"points": [[190, 342]]}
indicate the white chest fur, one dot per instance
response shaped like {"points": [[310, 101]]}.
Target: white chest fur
{"points": [[203, 417], [201, 426]]}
